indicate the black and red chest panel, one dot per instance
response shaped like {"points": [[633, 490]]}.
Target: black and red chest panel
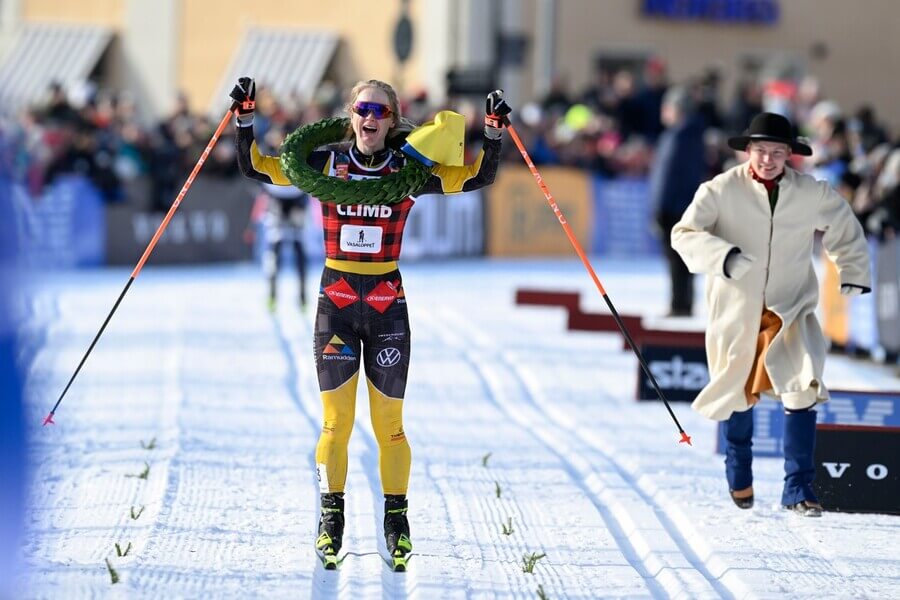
{"points": [[364, 232]]}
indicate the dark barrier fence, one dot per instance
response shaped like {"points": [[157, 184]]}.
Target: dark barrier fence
{"points": [[210, 225]]}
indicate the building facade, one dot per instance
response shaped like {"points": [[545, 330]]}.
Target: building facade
{"points": [[162, 47]]}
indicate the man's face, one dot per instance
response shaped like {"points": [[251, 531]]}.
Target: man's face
{"points": [[768, 158]]}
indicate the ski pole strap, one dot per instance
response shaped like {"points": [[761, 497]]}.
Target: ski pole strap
{"points": [[493, 121]]}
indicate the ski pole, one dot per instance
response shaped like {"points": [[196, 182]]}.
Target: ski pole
{"points": [[685, 438], [48, 420]]}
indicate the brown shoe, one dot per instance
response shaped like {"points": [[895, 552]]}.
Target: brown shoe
{"points": [[806, 508], [742, 498]]}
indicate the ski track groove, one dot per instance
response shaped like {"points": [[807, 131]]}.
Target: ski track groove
{"points": [[114, 525], [495, 394], [674, 521], [680, 527], [655, 562], [78, 474], [660, 514], [326, 584]]}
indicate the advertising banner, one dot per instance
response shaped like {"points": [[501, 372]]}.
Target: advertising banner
{"points": [[680, 371], [835, 307], [445, 226], [858, 468], [623, 218], [210, 225], [863, 333], [874, 409], [520, 222], [887, 295], [63, 228]]}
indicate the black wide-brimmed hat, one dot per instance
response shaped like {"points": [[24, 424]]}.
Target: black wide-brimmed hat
{"points": [[770, 127]]}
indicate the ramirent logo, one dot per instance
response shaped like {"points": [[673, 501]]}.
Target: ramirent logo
{"points": [[341, 294], [374, 298], [364, 210]]}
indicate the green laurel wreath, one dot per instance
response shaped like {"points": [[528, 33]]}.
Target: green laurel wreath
{"points": [[389, 189]]}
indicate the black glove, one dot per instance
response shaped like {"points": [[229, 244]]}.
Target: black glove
{"points": [[244, 96], [495, 108]]}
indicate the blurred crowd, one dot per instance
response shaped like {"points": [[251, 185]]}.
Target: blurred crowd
{"points": [[98, 134], [610, 128]]}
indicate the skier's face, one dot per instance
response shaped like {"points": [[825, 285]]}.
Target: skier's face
{"points": [[768, 158], [371, 119]]}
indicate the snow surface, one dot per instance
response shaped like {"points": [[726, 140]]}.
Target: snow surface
{"points": [[511, 418]]}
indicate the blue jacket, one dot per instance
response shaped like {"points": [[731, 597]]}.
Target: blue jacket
{"points": [[679, 167]]}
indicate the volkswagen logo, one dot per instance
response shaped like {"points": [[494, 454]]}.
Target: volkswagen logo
{"points": [[388, 357]]}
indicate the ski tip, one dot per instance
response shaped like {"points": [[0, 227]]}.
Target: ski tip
{"points": [[399, 565], [330, 561], [685, 439], [48, 420]]}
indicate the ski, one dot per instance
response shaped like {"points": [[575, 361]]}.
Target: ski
{"points": [[330, 560], [398, 562]]}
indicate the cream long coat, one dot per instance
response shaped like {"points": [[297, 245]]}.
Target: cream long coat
{"points": [[732, 210]]}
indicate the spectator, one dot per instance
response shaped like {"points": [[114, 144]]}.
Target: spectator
{"points": [[679, 168], [751, 231], [627, 108], [650, 98], [58, 110], [557, 101]]}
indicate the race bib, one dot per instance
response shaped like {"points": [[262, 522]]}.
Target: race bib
{"points": [[364, 239]]}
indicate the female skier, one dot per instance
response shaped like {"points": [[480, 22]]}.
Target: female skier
{"points": [[361, 318]]}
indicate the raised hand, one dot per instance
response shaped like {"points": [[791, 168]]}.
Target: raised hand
{"points": [[244, 96], [495, 110]]}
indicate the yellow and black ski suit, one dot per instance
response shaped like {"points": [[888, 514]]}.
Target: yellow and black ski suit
{"points": [[361, 315]]}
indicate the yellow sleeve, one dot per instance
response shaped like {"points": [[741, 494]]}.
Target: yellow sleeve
{"points": [[454, 178], [267, 165]]}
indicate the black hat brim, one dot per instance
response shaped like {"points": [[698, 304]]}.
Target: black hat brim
{"points": [[740, 143]]}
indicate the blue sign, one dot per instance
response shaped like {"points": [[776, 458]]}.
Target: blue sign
{"points": [[762, 12], [64, 227], [877, 409], [622, 218]]}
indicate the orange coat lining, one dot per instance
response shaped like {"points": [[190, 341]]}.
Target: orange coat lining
{"points": [[759, 381]]}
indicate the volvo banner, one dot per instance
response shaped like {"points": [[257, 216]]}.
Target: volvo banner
{"points": [[858, 468]]}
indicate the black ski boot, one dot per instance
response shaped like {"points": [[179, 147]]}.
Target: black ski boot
{"points": [[396, 531], [331, 529]]}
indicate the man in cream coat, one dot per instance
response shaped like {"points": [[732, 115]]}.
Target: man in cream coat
{"points": [[751, 231]]}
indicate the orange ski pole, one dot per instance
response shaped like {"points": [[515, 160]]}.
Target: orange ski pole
{"points": [[685, 438], [48, 420]]}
